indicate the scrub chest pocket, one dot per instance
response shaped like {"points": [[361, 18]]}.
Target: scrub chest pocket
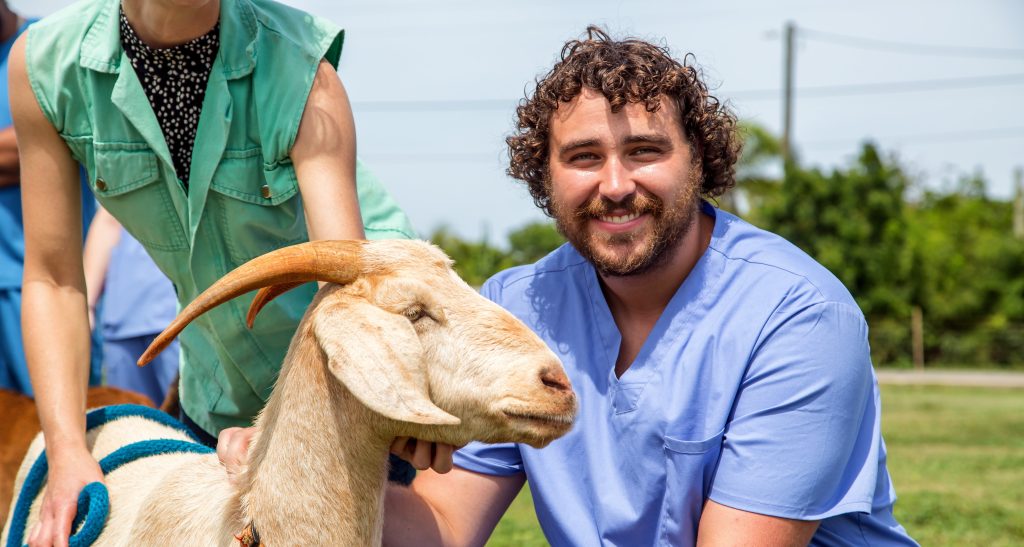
{"points": [[689, 468], [256, 204], [126, 181]]}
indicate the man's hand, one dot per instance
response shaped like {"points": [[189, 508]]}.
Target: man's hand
{"points": [[233, 451], [423, 455], [68, 474]]}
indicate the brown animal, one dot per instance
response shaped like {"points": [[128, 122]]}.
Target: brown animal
{"points": [[20, 424]]}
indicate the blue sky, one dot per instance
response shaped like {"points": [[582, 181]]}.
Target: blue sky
{"points": [[434, 85]]}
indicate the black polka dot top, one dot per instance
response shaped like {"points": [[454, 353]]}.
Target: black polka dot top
{"points": [[174, 80]]}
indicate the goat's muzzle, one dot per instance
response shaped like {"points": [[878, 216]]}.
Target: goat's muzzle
{"points": [[555, 379], [538, 421]]}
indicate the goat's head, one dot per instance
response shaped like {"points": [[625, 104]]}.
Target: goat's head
{"points": [[411, 340]]}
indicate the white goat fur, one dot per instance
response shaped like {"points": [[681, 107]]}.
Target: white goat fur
{"points": [[361, 370]]}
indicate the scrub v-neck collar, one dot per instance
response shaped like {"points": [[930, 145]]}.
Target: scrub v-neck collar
{"points": [[685, 308]]}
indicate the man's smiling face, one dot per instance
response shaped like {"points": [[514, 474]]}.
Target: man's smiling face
{"points": [[624, 187]]}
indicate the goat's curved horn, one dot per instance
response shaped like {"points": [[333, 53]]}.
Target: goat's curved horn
{"points": [[264, 296], [331, 261]]}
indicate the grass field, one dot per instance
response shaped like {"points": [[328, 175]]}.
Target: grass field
{"points": [[956, 456]]}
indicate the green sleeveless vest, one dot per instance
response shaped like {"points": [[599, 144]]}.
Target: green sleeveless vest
{"points": [[242, 199]]}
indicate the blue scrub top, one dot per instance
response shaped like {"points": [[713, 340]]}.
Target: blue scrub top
{"points": [[12, 235], [754, 389], [138, 299]]}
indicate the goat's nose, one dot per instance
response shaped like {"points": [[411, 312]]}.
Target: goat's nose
{"points": [[555, 379]]}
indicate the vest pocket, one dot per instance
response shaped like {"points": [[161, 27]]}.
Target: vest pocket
{"points": [[127, 182], [256, 205], [690, 465]]}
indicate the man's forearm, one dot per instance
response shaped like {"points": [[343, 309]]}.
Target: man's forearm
{"points": [[409, 520], [460, 507]]}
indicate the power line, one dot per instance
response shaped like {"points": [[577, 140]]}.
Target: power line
{"points": [[911, 48], [436, 157], [844, 90], [841, 90], [446, 105], [949, 136]]}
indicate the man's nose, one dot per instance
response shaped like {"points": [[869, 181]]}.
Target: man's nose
{"points": [[617, 182]]}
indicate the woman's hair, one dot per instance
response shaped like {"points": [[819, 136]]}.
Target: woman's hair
{"points": [[626, 71]]}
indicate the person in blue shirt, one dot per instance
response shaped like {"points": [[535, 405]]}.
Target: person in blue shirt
{"points": [[726, 390], [13, 368]]}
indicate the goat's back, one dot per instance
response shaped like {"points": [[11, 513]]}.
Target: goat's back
{"points": [[131, 487], [21, 424]]}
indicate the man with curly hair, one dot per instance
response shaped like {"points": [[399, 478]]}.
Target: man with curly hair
{"points": [[726, 390]]}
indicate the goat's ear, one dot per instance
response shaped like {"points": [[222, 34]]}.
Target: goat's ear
{"points": [[378, 357]]}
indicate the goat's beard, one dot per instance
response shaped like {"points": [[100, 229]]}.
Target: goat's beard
{"points": [[635, 252]]}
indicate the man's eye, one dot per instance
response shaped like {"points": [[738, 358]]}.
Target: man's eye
{"points": [[583, 156], [646, 151]]}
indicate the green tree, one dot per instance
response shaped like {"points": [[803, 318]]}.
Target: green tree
{"points": [[968, 270], [477, 261], [531, 242], [853, 221], [474, 261]]}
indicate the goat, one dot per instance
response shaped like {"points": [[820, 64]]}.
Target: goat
{"points": [[394, 344], [21, 424]]}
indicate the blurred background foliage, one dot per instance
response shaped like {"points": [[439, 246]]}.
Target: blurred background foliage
{"points": [[949, 253]]}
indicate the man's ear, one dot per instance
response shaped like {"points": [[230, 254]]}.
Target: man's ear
{"points": [[378, 357]]}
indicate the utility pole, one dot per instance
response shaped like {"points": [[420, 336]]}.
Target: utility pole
{"points": [[1018, 203], [917, 337], [787, 92]]}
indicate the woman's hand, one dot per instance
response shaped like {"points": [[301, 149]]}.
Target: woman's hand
{"points": [[68, 474]]}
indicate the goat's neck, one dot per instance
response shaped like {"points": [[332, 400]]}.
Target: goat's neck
{"points": [[318, 470]]}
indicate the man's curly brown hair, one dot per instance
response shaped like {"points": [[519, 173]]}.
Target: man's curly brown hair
{"points": [[625, 71]]}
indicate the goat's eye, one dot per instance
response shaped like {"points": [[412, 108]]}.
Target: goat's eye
{"points": [[415, 313]]}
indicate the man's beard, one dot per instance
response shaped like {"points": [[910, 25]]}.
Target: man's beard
{"points": [[631, 253]]}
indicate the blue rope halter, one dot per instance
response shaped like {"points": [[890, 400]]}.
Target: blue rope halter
{"points": [[94, 500]]}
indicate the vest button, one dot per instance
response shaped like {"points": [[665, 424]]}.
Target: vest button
{"points": [[101, 185], [265, 192]]}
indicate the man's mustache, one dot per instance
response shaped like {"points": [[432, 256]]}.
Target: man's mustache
{"points": [[635, 203]]}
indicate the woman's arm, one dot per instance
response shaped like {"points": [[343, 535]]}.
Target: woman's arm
{"points": [[54, 319], [324, 156]]}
